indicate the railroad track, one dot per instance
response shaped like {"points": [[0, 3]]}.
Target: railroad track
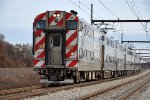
{"points": [[39, 90], [19, 90], [8, 94], [122, 96], [125, 95]]}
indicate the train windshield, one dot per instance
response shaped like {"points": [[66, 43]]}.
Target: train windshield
{"points": [[71, 25], [41, 24]]}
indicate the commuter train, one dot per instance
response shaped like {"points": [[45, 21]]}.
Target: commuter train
{"points": [[67, 47]]}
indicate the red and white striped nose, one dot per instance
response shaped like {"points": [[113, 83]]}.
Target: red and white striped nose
{"points": [[56, 18], [71, 43]]}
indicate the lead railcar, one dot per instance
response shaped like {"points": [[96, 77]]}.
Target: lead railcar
{"points": [[66, 47]]}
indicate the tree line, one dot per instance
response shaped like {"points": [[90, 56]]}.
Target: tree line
{"points": [[15, 56]]}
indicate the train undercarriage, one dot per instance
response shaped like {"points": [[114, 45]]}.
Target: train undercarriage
{"points": [[54, 75]]}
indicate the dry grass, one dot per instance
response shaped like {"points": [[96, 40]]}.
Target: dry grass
{"points": [[17, 77]]}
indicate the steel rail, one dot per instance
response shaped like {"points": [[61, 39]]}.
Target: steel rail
{"points": [[19, 90], [131, 90], [38, 92], [88, 96]]}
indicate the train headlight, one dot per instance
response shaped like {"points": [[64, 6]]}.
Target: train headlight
{"points": [[58, 15], [39, 53], [54, 15], [72, 53]]}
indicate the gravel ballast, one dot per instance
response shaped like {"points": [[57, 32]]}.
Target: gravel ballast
{"points": [[144, 95], [77, 92]]}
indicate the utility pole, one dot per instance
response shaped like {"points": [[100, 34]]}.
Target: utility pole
{"points": [[102, 48]]}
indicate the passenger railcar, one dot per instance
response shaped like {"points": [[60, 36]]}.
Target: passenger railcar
{"points": [[66, 47]]}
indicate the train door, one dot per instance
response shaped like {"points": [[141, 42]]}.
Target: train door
{"points": [[55, 56], [54, 49], [56, 44]]}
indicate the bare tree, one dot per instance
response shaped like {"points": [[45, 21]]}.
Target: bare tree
{"points": [[2, 37]]}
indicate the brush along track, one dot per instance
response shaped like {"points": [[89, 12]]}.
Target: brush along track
{"points": [[19, 93], [97, 94]]}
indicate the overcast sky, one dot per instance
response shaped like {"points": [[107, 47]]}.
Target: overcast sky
{"points": [[16, 16]]}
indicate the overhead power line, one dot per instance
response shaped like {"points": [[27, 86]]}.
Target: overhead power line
{"points": [[80, 8], [138, 15], [137, 9], [144, 26], [113, 15], [83, 9], [89, 9], [107, 8], [132, 8]]}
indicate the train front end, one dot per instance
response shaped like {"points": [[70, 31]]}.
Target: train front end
{"points": [[55, 45]]}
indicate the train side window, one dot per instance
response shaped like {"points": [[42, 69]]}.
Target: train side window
{"points": [[85, 30], [96, 56], [85, 33], [93, 34], [92, 55], [85, 53], [113, 59], [89, 33], [81, 53], [118, 60], [112, 44], [110, 59], [88, 55], [107, 58], [107, 41]]}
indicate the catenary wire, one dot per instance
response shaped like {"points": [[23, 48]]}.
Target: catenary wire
{"points": [[113, 15], [89, 9], [107, 8], [79, 7], [134, 12]]}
